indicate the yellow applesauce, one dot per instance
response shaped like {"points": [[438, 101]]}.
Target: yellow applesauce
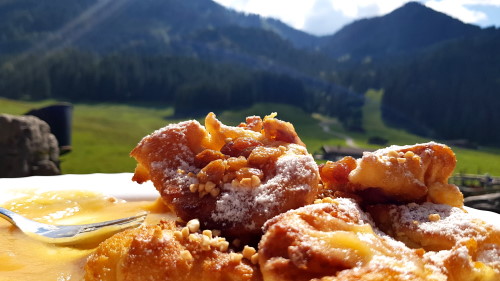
{"points": [[24, 258]]}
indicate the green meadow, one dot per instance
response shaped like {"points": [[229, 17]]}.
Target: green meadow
{"points": [[104, 134]]}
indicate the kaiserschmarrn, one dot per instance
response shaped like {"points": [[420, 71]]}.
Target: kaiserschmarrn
{"points": [[253, 205]]}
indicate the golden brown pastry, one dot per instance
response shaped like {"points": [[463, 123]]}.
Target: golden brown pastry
{"points": [[335, 241], [464, 247], [230, 178], [414, 173], [432, 227], [162, 252]]}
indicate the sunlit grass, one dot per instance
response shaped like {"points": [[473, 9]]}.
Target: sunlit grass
{"points": [[472, 161], [306, 126], [375, 126], [104, 134]]}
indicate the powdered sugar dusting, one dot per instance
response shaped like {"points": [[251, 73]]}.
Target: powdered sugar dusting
{"points": [[292, 175], [453, 222], [176, 157], [490, 254], [385, 151]]}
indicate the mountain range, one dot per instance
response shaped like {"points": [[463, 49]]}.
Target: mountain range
{"points": [[421, 57]]}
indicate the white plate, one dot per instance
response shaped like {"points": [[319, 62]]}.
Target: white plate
{"points": [[120, 186]]}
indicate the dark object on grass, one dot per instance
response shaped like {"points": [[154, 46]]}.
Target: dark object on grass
{"points": [[59, 117], [378, 140]]}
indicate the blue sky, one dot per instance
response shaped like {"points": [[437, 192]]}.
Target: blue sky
{"points": [[322, 17]]}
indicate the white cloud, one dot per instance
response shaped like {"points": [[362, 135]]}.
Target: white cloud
{"points": [[327, 16], [291, 12]]}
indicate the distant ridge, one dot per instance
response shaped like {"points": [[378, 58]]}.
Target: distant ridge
{"points": [[432, 68], [405, 30]]}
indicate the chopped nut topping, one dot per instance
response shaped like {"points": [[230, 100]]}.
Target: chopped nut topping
{"points": [[185, 232], [434, 217], [235, 183], [246, 182], [193, 225], [255, 258], [235, 257], [401, 160], [205, 243], [216, 232], [248, 252], [255, 181], [392, 153], [215, 192], [325, 200], [409, 154], [194, 238], [202, 194], [209, 186], [207, 233], [228, 177], [193, 187], [178, 235], [220, 243], [186, 255]]}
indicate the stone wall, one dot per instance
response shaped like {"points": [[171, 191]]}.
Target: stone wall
{"points": [[27, 148]]}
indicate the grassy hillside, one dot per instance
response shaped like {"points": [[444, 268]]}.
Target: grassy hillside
{"points": [[480, 161], [104, 134]]}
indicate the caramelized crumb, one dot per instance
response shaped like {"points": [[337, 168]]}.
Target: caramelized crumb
{"points": [[434, 217], [193, 187], [235, 257], [214, 192], [207, 233], [185, 232], [254, 258], [186, 255], [248, 252], [409, 154]]}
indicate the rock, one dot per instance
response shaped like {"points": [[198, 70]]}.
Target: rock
{"points": [[27, 148]]}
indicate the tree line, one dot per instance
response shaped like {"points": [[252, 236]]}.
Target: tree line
{"points": [[191, 85]]}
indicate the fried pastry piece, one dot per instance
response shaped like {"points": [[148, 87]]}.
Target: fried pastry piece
{"points": [[230, 178], [415, 173], [432, 227], [160, 252], [335, 241], [463, 247]]}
